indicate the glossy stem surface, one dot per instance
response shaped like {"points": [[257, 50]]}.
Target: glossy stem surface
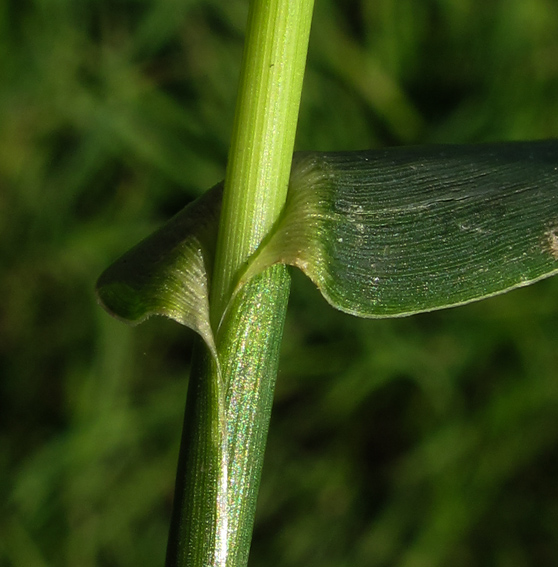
{"points": [[225, 430]]}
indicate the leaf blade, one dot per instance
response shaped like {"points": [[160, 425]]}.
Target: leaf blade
{"points": [[387, 233], [382, 233], [168, 272]]}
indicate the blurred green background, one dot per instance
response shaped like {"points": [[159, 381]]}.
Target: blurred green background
{"points": [[420, 442]]}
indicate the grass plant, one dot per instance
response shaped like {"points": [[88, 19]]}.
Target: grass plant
{"points": [[430, 440]]}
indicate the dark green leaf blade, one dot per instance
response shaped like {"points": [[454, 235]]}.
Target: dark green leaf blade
{"points": [[168, 272], [398, 231]]}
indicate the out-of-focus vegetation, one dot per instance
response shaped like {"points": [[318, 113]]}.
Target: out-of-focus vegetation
{"points": [[428, 441]]}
